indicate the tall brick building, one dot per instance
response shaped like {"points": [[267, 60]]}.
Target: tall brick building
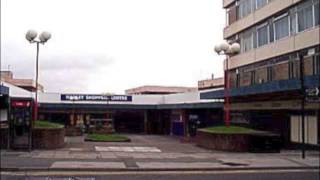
{"points": [[275, 36]]}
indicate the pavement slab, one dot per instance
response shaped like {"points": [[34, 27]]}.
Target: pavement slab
{"points": [[127, 149], [179, 165], [87, 165]]}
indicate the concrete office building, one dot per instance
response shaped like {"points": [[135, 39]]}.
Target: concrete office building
{"points": [[265, 75]]}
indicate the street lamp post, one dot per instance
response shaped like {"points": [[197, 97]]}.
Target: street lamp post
{"points": [[227, 49], [303, 99], [42, 39]]}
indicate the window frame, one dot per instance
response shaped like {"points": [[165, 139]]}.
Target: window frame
{"points": [[312, 15], [268, 33], [274, 26], [256, 4]]}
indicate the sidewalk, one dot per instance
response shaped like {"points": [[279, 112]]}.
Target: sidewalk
{"points": [[150, 156]]}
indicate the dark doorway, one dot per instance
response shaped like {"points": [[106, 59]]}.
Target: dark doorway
{"points": [[130, 121]]}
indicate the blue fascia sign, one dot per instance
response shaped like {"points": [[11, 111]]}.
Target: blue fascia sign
{"points": [[93, 97]]}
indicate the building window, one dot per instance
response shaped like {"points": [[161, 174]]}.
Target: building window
{"points": [[262, 35], [305, 16], [253, 77], [293, 20], [316, 12], [294, 69], [281, 27], [269, 73], [237, 78], [316, 64], [245, 8], [246, 41], [261, 3]]}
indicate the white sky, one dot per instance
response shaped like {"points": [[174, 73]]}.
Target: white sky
{"points": [[111, 45]]}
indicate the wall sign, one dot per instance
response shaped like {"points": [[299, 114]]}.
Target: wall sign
{"points": [[92, 97], [313, 94], [21, 103]]}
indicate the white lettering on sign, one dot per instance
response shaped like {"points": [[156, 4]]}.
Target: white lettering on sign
{"points": [[76, 97], [118, 98]]}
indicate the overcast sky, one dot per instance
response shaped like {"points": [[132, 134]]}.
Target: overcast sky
{"points": [[102, 46]]}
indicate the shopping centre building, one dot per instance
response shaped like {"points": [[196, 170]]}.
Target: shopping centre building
{"points": [[146, 111]]}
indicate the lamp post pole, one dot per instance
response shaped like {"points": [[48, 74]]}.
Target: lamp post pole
{"points": [[303, 99], [227, 49], [31, 36], [227, 93], [36, 94]]}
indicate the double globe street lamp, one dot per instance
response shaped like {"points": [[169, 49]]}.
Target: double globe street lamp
{"points": [[31, 36], [227, 49]]}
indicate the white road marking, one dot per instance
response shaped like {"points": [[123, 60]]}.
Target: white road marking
{"points": [[85, 165], [126, 149]]}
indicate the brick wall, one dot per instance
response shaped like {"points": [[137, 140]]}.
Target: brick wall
{"points": [[3, 138], [48, 138], [226, 142]]}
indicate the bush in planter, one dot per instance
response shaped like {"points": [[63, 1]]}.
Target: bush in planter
{"points": [[46, 124], [107, 138]]}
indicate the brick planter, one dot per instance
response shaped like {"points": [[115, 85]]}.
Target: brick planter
{"points": [[3, 138], [238, 142], [103, 130], [73, 131], [47, 138]]}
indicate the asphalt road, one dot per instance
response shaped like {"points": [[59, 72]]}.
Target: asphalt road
{"points": [[269, 175]]}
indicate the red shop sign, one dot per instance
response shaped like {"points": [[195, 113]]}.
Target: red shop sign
{"points": [[20, 103]]}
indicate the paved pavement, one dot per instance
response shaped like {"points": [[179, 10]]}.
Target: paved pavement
{"points": [[239, 175], [147, 152]]}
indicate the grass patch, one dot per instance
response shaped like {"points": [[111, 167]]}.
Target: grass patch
{"points": [[107, 137], [47, 124], [228, 130]]}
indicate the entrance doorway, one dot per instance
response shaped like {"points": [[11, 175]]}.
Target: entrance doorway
{"points": [[20, 124]]}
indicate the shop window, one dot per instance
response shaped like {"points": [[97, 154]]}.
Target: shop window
{"points": [[308, 65], [281, 27], [280, 71], [245, 79], [233, 79], [305, 16], [316, 64], [238, 80], [294, 70], [261, 75], [253, 77], [269, 73]]}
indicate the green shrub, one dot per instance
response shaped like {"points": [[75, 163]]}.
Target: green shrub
{"points": [[107, 137], [47, 124], [228, 130]]}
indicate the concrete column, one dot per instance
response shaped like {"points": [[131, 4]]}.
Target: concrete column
{"points": [[145, 121], [185, 122]]}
